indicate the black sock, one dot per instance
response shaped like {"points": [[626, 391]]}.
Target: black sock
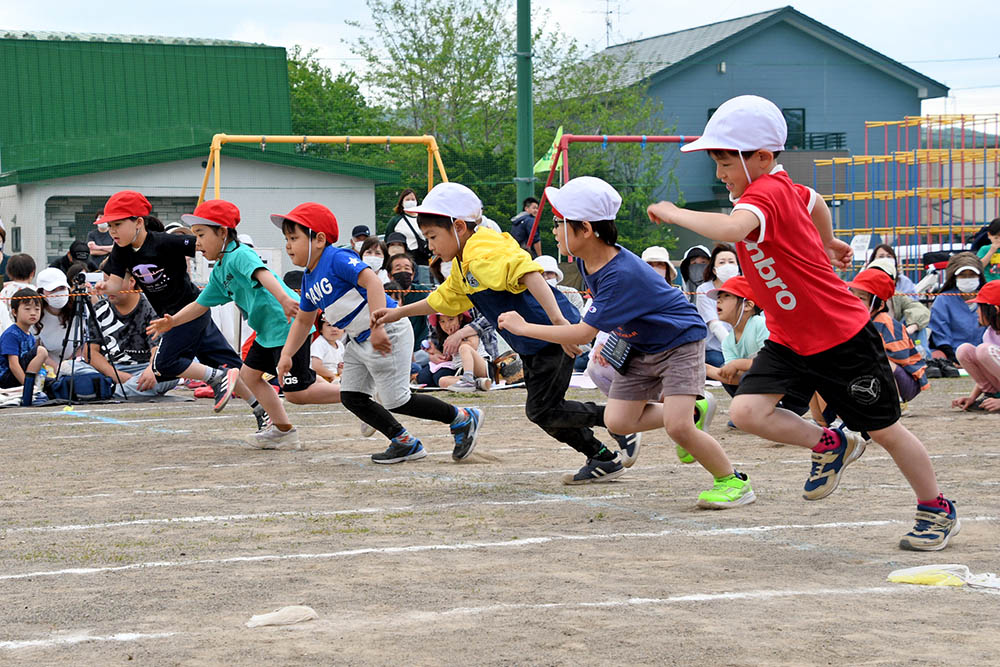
{"points": [[371, 413], [29, 389], [604, 454], [425, 406]]}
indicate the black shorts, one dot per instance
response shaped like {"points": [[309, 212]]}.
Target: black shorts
{"points": [[853, 377], [265, 359]]}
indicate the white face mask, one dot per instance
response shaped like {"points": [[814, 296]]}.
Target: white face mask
{"points": [[727, 271], [103, 227], [552, 281], [357, 245], [374, 261], [57, 301], [967, 285], [409, 203]]}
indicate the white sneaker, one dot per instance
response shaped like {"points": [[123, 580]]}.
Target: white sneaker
{"points": [[274, 438], [367, 430], [463, 386]]}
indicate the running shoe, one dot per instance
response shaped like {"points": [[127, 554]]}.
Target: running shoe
{"points": [[223, 388], [463, 386], [398, 452], [933, 529], [731, 491], [594, 472], [274, 438], [367, 430], [466, 431], [628, 446], [263, 419], [824, 476]]}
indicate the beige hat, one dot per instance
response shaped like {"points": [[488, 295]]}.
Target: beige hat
{"points": [[656, 253], [887, 264], [549, 263]]}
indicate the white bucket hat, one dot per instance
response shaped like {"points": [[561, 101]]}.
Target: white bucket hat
{"points": [[450, 199], [585, 198], [549, 263], [656, 253], [744, 123]]}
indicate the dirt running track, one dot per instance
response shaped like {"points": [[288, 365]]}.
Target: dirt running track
{"points": [[149, 534]]}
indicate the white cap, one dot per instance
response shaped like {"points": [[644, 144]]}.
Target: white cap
{"points": [[51, 279], [549, 263], [887, 264], [744, 123], [245, 239], [451, 199], [585, 198], [656, 253]]}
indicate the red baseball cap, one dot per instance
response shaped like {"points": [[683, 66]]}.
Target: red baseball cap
{"points": [[312, 216], [124, 204], [215, 213], [875, 281], [737, 285], [988, 293]]}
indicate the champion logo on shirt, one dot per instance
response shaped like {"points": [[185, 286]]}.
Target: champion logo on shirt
{"points": [[784, 298]]}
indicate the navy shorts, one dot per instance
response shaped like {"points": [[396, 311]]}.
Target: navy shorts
{"points": [[265, 359], [854, 378], [8, 380], [200, 339]]}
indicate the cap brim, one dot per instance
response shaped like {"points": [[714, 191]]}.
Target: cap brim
{"points": [[192, 220], [111, 218], [707, 144]]}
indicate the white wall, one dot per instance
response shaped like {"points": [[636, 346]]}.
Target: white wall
{"points": [[257, 188]]}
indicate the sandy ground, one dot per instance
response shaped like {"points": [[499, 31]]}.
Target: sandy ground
{"points": [[147, 533]]}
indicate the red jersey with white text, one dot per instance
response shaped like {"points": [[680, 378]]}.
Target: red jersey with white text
{"points": [[808, 307]]}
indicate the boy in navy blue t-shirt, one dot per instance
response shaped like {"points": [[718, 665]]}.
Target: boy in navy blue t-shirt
{"points": [[657, 342], [20, 357], [376, 359]]}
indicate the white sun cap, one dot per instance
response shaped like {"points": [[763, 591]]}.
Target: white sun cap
{"points": [[656, 253], [450, 199], [744, 123], [549, 263], [585, 198]]}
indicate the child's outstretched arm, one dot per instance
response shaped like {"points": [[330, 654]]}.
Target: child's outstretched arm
{"points": [[372, 285], [718, 226], [296, 336], [388, 315], [542, 291], [190, 312], [271, 284], [567, 335]]}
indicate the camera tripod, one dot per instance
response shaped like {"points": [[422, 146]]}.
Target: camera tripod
{"points": [[76, 333]]}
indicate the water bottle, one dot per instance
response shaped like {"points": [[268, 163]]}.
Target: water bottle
{"points": [[40, 379]]}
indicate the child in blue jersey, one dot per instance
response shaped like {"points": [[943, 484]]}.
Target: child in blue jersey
{"points": [[492, 272], [660, 346], [20, 356], [376, 358], [268, 304]]}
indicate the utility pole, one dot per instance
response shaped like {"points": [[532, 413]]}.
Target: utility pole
{"points": [[525, 122]]}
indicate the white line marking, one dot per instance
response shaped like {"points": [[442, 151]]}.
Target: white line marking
{"points": [[81, 637], [461, 546]]}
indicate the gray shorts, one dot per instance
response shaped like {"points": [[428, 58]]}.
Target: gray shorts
{"points": [[679, 371], [368, 372]]}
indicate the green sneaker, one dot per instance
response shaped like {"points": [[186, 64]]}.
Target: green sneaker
{"points": [[727, 492], [684, 455], [704, 410]]}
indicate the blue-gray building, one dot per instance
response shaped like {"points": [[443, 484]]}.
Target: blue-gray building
{"points": [[826, 83]]}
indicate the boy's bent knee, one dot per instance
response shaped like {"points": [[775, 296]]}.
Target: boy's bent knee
{"points": [[354, 400], [746, 410]]}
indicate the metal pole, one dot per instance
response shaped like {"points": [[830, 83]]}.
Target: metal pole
{"points": [[525, 122]]}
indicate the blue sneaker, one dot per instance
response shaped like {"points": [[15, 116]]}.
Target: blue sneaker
{"points": [[824, 476], [933, 529], [596, 471], [628, 446], [398, 451], [466, 432]]}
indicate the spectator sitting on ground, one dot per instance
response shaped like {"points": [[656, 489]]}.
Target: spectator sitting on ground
{"points": [[374, 253], [521, 225], [553, 275], [78, 252], [327, 352], [20, 356], [57, 315], [122, 320], [658, 258], [952, 322], [468, 370], [99, 241], [913, 314], [903, 284], [989, 254], [693, 267], [20, 275], [722, 266]]}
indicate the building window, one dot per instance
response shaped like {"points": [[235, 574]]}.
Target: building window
{"points": [[796, 121]]}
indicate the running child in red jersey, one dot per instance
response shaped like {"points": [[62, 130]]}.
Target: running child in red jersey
{"points": [[821, 336]]}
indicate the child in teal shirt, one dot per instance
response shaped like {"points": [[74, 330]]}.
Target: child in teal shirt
{"points": [[268, 305]]}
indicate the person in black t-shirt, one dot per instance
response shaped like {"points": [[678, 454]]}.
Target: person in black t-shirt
{"points": [[158, 261]]}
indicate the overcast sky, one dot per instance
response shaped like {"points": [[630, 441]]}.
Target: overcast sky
{"points": [[954, 42]]}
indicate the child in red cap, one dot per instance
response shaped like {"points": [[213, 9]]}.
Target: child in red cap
{"points": [[822, 338], [159, 263], [983, 361]]}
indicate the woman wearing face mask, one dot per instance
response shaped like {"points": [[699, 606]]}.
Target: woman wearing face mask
{"points": [[374, 253], [406, 225], [659, 260], [953, 320], [693, 267], [57, 315], [722, 265]]}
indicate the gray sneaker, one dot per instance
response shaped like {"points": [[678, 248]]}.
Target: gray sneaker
{"points": [[274, 438]]}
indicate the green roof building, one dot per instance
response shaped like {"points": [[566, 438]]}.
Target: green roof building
{"points": [[86, 115]]}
